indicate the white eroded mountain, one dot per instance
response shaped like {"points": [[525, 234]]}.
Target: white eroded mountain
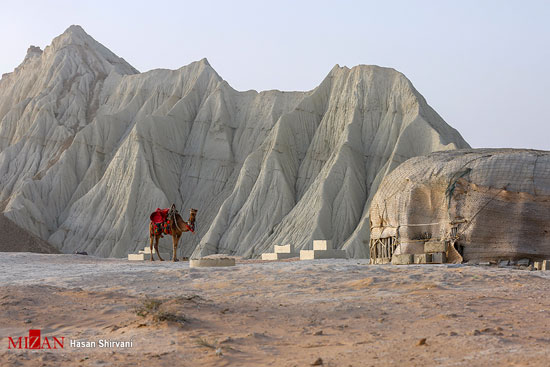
{"points": [[90, 147]]}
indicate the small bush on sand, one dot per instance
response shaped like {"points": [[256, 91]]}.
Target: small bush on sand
{"points": [[153, 307]]}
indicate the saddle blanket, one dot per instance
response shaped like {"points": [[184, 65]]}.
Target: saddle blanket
{"points": [[159, 215], [161, 225]]}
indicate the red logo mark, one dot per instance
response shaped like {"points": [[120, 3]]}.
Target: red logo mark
{"points": [[34, 341]]}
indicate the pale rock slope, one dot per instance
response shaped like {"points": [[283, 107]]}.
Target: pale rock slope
{"points": [[89, 147], [316, 173]]}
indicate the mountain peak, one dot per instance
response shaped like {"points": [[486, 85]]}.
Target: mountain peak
{"points": [[204, 61], [75, 35], [75, 29]]}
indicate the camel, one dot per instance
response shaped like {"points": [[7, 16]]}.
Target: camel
{"points": [[173, 226]]}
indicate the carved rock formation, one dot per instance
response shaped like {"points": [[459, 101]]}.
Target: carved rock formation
{"points": [[490, 203]]}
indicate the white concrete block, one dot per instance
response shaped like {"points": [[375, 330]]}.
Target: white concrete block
{"points": [[322, 245], [214, 262], [136, 257], [142, 257], [284, 249], [545, 265], [323, 254], [278, 255]]}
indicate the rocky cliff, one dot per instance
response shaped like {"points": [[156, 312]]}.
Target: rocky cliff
{"points": [[491, 204], [89, 147]]}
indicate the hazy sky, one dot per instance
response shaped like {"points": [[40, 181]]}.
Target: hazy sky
{"points": [[484, 66]]}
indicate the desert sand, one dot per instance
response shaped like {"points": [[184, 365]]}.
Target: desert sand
{"points": [[288, 313]]}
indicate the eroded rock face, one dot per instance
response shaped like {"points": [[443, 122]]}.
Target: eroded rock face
{"points": [[491, 203], [90, 147]]}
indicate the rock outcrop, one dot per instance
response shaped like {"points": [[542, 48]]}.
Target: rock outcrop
{"points": [[89, 148], [490, 204]]}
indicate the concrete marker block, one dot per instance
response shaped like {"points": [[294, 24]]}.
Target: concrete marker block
{"points": [[322, 245], [278, 256], [143, 257], [284, 249], [136, 257], [546, 265], [323, 254]]}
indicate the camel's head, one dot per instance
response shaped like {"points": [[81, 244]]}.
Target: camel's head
{"points": [[192, 215]]}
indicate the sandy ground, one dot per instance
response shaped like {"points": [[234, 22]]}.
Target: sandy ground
{"points": [[345, 312]]}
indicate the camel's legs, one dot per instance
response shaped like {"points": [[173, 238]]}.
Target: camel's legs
{"points": [[157, 249], [151, 245], [175, 240]]}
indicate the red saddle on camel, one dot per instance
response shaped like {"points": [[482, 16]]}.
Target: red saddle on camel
{"points": [[162, 224], [159, 215]]}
